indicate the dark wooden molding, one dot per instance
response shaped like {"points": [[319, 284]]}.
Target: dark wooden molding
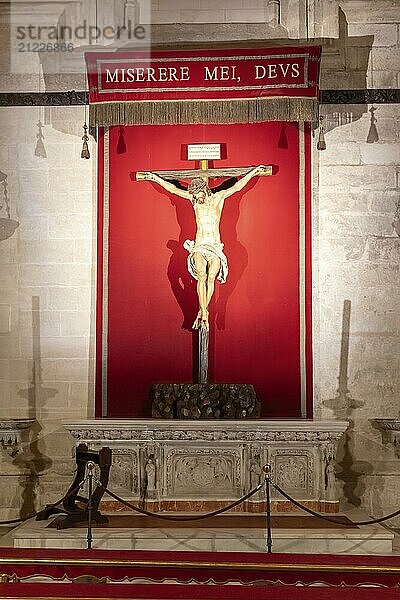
{"points": [[366, 96], [73, 98]]}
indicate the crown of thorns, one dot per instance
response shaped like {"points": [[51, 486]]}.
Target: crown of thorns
{"points": [[198, 184]]}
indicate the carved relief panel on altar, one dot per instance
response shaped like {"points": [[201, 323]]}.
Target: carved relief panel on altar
{"points": [[293, 471], [207, 470], [123, 474]]}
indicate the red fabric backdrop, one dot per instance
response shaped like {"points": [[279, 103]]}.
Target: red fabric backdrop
{"points": [[152, 302]]}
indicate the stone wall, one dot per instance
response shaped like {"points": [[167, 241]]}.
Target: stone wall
{"points": [[204, 11], [358, 251], [47, 272], [47, 267], [357, 278]]}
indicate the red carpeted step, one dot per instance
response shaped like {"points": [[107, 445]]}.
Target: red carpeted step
{"points": [[184, 567], [110, 591]]}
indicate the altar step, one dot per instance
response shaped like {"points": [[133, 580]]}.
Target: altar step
{"points": [[149, 574], [106, 591], [240, 533]]}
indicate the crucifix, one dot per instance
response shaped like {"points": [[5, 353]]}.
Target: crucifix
{"points": [[206, 259]]}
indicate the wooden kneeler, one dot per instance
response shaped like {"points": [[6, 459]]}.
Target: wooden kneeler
{"points": [[75, 506]]}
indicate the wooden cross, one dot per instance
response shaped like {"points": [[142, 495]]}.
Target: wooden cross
{"points": [[206, 173]]}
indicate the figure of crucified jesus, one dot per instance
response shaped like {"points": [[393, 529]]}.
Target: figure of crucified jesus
{"points": [[206, 260]]}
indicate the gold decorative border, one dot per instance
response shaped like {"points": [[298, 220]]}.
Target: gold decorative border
{"points": [[306, 567], [189, 60], [106, 219], [175, 581]]}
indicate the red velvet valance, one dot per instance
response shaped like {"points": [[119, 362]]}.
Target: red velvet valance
{"points": [[203, 86]]}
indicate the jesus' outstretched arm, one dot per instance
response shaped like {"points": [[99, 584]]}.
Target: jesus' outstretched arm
{"points": [[239, 185], [167, 185]]}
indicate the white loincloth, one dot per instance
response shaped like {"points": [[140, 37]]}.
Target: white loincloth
{"points": [[209, 251]]}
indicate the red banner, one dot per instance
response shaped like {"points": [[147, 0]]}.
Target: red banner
{"points": [[203, 74]]}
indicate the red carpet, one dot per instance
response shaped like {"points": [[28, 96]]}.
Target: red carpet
{"points": [[189, 592], [200, 567]]}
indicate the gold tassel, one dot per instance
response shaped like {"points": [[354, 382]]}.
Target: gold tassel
{"points": [[85, 148], [373, 132], [40, 150], [321, 144]]}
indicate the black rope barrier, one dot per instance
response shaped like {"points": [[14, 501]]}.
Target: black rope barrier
{"points": [[23, 519], [185, 518], [210, 514], [325, 518]]}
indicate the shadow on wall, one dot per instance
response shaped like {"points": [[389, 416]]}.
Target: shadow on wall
{"points": [[344, 408], [344, 66], [33, 459], [7, 224]]}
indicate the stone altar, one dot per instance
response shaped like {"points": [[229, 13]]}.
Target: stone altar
{"points": [[201, 465]]}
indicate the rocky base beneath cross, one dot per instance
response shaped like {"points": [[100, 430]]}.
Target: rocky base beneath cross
{"points": [[204, 401]]}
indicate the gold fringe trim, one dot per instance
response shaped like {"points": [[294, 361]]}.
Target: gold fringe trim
{"points": [[249, 110]]}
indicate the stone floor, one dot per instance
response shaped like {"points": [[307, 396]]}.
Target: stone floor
{"points": [[370, 539]]}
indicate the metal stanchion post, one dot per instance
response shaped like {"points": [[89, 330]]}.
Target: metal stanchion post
{"points": [[90, 467], [267, 471]]}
